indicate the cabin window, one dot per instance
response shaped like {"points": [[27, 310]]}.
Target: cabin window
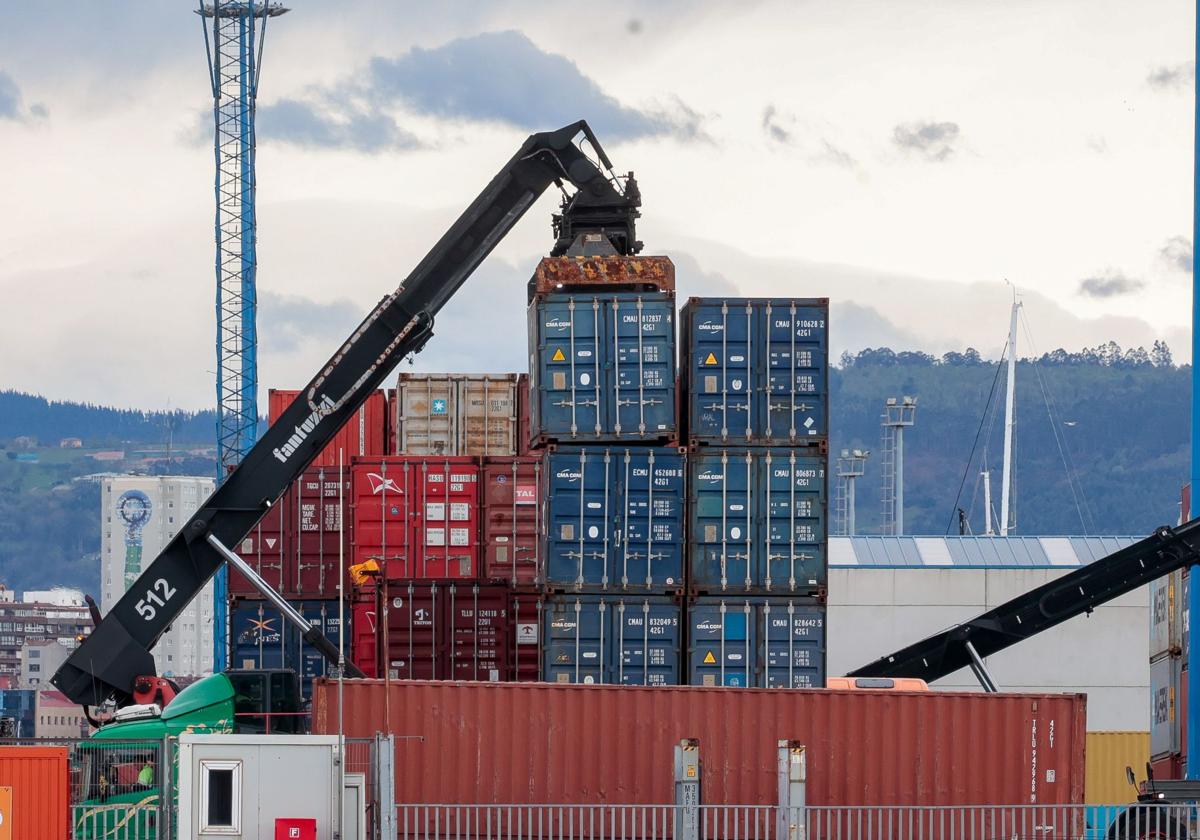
{"points": [[220, 797]]}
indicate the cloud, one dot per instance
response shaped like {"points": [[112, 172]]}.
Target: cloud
{"points": [[309, 125], [770, 124], [832, 154], [934, 141], [10, 101], [1097, 144], [1172, 77], [285, 321], [1176, 252], [504, 77], [1110, 283]]}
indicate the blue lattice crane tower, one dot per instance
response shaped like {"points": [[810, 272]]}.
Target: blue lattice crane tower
{"points": [[234, 31]]}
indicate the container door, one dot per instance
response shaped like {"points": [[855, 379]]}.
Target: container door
{"points": [[650, 549], [722, 644], [383, 505], [646, 647], [487, 415], [792, 488], [446, 520], [525, 614], [580, 488], [577, 638], [796, 361], [511, 520], [571, 387], [792, 645], [324, 616], [414, 632], [313, 565], [264, 550], [479, 632], [262, 638], [366, 634], [426, 416], [722, 520], [721, 399], [641, 334]]}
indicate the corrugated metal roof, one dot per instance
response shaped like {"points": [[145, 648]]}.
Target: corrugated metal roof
{"points": [[975, 552]]}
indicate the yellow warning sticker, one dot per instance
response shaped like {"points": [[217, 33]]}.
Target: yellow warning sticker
{"points": [[558, 355], [711, 360], [709, 659]]}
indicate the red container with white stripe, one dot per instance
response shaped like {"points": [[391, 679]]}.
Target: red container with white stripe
{"points": [[417, 517]]}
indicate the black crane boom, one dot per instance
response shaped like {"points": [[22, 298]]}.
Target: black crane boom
{"points": [[1079, 592], [106, 664]]}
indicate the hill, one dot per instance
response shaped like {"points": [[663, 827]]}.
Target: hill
{"points": [[1120, 418]]}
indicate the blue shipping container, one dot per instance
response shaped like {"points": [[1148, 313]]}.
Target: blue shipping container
{"points": [[756, 643], [755, 371], [757, 520], [263, 639], [602, 368], [614, 519], [20, 704], [611, 639]]}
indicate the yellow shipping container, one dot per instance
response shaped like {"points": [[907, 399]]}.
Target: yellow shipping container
{"points": [[1108, 754]]}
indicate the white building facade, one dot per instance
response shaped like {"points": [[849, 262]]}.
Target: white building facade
{"points": [[888, 592], [139, 515]]}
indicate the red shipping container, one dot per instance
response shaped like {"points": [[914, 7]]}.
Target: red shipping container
{"points": [[447, 630], [264, 549], [417, 517], [559, 743], [35, 802], [365, 433], [511, 519]]}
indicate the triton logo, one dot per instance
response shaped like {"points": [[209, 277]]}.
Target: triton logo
{"points": [[288, 449], [379, 484]]}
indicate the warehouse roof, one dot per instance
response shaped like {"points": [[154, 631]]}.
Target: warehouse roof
{"points": [[975, 552]]}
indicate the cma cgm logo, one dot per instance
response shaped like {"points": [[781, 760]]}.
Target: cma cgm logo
{"points": [[558, 325], [379, 484], [710, 476], [710, 326], [569, 475], [709, 627]]}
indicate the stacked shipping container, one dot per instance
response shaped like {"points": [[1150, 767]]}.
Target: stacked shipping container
{"points": [[1168, 673], [755, 381]]}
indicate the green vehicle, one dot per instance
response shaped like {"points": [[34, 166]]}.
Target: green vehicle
{"points": [[121, 769]]}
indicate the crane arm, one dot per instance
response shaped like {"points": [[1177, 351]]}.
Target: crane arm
{"points": [[1046, 606], [106, 664]]}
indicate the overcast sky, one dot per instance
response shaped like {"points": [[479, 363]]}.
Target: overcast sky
{"points": [[902, 157]]}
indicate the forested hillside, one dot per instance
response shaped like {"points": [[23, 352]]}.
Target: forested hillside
{"points": [[1120, 418]]}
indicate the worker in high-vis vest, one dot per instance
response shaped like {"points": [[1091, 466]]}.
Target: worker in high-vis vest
{"points": [[146, 775]]}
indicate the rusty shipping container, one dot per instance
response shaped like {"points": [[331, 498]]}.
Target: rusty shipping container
{"points": [[602, 274], [511, 519], [364, 434], [417, 517], [455, 414], [34, 793], [548, 743]]}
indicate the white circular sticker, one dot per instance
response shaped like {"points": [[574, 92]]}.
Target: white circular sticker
{"points": [[735, 532], [593, 532], [588, 680], [585, 379], [737, 384], [398, 603]]}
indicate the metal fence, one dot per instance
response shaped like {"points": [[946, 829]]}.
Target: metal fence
{"points": [[736, 822]]}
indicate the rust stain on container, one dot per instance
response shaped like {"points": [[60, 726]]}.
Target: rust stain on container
{"points": [[557, 274], [548, 743], [40, 804]]}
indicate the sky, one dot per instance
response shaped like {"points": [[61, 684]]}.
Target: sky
{"points": [[907, 159]]}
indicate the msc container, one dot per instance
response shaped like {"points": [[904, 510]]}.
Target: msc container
{"points": [[756, 642], [455, 414], [417, 517], [602, 274], [364, 434], [602, 368], [755, 371], [511, 519], [611, 639], [298, 545], [614, 519], [1164, 713], [35, 801], [1108, 754], [757, 520], [446, 630], [1164, 617], [547, 742]]}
